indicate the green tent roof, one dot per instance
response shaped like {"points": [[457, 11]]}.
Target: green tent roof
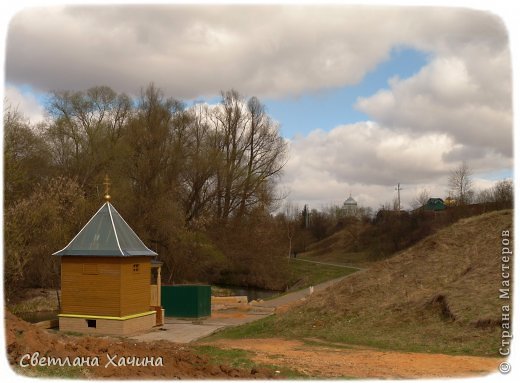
{"points": [[435, 204], [106, 234]]}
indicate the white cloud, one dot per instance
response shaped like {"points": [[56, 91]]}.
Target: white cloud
{"points": [[368, 160], [368, 153], [193, 50], [452, 96], [25, 103]]}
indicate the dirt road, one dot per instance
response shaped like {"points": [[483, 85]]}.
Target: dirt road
{"points": [[332, 361]]}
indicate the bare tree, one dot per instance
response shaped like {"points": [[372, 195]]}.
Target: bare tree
{"points": [[503, 192], [202, 162], [264, 158], [421, 199], [291, 219], [460, 183], [197, 184], [27, 157], [85, 127], [251, 152], [484, 196], [35, 227]]}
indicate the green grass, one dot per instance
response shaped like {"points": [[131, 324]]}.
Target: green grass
{"points": [[433, 336], [262, 328], [64, 372], [231, 357], [243, 359], [339, 256], [305, 274]]}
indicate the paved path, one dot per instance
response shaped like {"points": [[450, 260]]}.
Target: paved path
{"points": [[327, 263], [298, 295], [186, 331]]}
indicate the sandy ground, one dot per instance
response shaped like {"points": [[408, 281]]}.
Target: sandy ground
{"points": [[359, 362]]}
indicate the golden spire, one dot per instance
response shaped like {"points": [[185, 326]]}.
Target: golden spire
{"points": [[106, 182]]}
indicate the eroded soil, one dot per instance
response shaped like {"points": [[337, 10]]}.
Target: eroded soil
{"points": [[179, 361]]}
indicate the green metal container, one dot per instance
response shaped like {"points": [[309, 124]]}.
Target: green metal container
{"points": [[186, 301]]}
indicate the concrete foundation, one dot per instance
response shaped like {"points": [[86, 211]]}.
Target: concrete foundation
{"points": [[104, 326]]}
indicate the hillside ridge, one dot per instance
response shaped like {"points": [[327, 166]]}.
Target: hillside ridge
{"points": [[441, 293]]}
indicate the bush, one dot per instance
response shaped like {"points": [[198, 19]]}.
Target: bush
{"points": [[38, 226]]}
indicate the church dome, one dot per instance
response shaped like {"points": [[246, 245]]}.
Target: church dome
{"points": [[350, 202]]}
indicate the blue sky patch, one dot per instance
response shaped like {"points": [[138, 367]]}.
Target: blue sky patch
{"points": [[498, 175], [28, 91], [336, 107]]}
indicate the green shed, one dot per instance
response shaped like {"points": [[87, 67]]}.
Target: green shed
{"points": [[434, 204], [186, 301]]}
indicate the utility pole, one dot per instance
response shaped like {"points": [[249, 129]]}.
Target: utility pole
{"points": [[305, 217], [399, 188]]}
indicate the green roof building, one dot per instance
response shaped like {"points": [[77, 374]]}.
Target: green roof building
{"points": [[106, 234], [106, 278], [434, 204]]}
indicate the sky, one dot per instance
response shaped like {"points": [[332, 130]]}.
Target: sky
{"points": [[366, 97]]}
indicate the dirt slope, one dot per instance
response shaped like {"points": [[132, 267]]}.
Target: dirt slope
{"points": [[440, 295], [178, 361]]}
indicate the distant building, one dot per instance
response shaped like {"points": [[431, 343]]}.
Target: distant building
{"points": [[350, 207], [434, 204], [449, 201]]}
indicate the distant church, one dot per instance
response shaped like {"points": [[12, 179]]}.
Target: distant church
{"points": [[350, 208]]}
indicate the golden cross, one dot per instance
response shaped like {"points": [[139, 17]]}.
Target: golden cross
{"points": [[107, 188]]}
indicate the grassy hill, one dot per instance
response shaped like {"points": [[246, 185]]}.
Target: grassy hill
{"points": [[440, 295], [341, 247], [305, 274]]}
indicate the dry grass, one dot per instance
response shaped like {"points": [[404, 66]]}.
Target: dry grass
{"points": [[460, 263], [340, 247], [440, 295], [33, 300]]}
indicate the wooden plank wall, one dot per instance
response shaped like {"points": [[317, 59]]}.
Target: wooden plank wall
{"points": [[135, 286], [90, 285], [106, 286]]}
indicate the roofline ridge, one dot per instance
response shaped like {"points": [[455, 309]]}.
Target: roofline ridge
{"points": [[83, 228], [130, 227], [114, 226]]}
